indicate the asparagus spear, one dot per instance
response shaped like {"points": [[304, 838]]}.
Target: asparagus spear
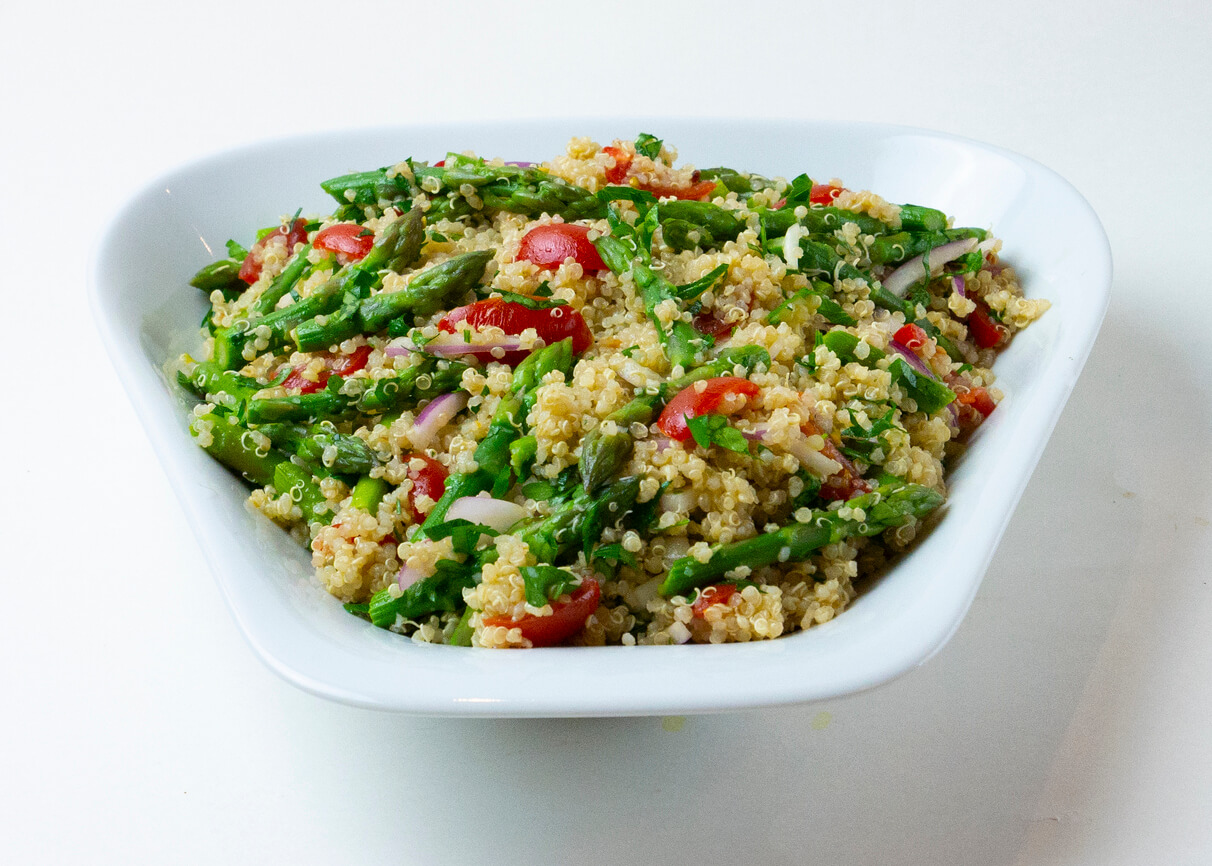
{"points": [[890, 505], [400, 243], [680, 341], [408, 233], [606, 449], [424, 294], [493, 453]]}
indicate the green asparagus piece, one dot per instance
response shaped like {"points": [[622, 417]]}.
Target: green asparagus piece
{"points": [[235, 447], [211, 382], [680, 341], [223, 275], [606, 449], [299, 408], [368, 493], [299, 484], [349, 455], [424, 381], [820, 221], [890, 505], [915, 218], [283, 282], [904, 245], [394, 245], [580, 519], [426, 292], [440, 592], [843, 344], [400, 248], [493, 454]]}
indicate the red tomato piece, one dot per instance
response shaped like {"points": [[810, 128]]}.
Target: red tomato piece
{"points": [[341, 365], [705, 323], [717, 593], [349, 238], [824, 193], [622, 164], [703, 398], [847, 482], [985, 332], [695, 192], [441, 163], [296, 233], [552, 323], [979, 399], [548, 246], [429, 480], [566, 618], [911, 336]]}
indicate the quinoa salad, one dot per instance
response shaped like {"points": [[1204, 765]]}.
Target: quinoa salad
{"points": [[603, 399]]}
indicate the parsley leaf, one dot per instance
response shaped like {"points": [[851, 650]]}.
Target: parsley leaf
{"points": [[532, 303], [648, 145], [464, 534], [709, 430], [798, 191], [235, 251], [546, 582], [690, 291], [617, 553]]}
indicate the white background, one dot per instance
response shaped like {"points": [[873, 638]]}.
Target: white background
{"points": [[1066, 723]]}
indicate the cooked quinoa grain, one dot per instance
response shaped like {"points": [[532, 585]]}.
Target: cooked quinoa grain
{"points": [[604, 399]]}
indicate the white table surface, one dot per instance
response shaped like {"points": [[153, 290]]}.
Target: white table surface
{"points": [[1067, 722]]}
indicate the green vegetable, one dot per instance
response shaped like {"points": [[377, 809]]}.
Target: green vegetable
{"points": [[891, 505], [930, 394], [709, 430], [546, 583], [648, 145]]}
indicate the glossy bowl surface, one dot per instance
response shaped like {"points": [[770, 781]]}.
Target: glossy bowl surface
{"points": [[148, 314]]}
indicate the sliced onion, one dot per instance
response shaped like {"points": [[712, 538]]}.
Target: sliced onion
{"points": [[435, 416], [453, 345], [911, 356], [960, 285], [523, 164], [408, 576], [812, 460], [495, 513], [684, 501], [899, 281]]}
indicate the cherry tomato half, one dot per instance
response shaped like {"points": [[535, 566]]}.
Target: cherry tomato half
{"points": [[548, 246], [552, 323], [911, 336], [985, 332], [349, 238], [339, 365], [704, 398], [428, 480], [717, 593], [622, 164], [296, 233], [824, 193], [565, 621]]}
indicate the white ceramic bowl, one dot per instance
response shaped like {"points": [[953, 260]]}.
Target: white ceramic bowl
{"points": [[147, 313]]}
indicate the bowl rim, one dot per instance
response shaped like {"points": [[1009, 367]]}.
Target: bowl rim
{"points": [[567, 681]]}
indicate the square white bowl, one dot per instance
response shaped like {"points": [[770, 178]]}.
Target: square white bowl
{"points": [[147, 314]]}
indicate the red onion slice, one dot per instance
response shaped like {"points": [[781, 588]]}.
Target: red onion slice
{"points": [[435, 416], [408, 576], [960, 285], [495, 513], [899, 281], [911, 356], [453, 345]]}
